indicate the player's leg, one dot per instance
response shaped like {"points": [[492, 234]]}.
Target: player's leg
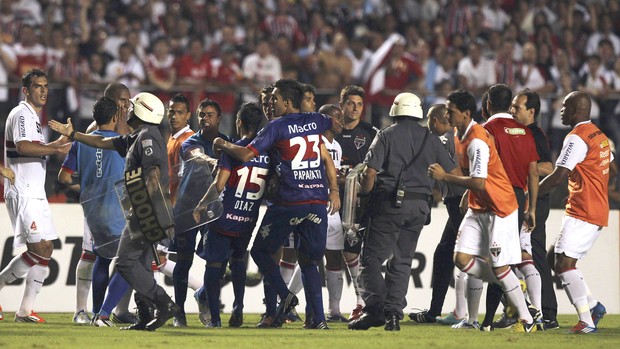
{"points": [[83, 277], [238, 275], [185, 244], [334, 266], [101, 277], [574, 241], [288, 260]]}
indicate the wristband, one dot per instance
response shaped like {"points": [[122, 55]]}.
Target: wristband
{"points": [[72, 135]]}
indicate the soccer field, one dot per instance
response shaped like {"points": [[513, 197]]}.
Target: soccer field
{"points": [[59, 332]]}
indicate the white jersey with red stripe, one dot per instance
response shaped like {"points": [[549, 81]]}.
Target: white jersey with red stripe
{"points": [[23, 124]]}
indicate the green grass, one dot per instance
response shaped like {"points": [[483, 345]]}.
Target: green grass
{"points": [[59, 332]]}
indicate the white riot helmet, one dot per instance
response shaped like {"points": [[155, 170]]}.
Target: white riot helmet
{"points": [[148, 108], [407, 104]]}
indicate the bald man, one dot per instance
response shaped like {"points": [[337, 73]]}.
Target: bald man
{"points": [[586, 159]]}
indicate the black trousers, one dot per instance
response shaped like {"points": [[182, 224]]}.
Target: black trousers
{"points": [[539, 254], [443, 259]]}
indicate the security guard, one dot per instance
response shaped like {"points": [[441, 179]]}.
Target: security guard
{"points": [[145, 151], [397, 161]]}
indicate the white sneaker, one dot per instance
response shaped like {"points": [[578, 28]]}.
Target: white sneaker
{"points": [[81, 317], [102, 321], [464, 325]]}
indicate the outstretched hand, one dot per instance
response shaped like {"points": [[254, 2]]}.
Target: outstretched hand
{"points": [[7, 173], [63, 129]]}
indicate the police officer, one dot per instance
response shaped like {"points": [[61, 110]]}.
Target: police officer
{"points": [[143, 149], [397, 161]]}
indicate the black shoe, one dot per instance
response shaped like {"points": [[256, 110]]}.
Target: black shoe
{"points": [[124, 318], [551, 324], [365, 322], [236, 319], [422, 317], [180, 320], [504, 322], [285, 307], [321, 326], [166, 309], [146, 310], [392, 323]]}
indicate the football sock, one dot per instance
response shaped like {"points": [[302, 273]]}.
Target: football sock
{"points": [[180, 279], [533, 282], [212, 287], [474, 292], [334, 283], [591, 300], [480, 269], [119, 294], [271, 298], [17, 268], [34, 281], [354, 270], [83, 279], [312, 284], [238, 276], [286, 270], [577, 291], [512, 289], [460, 285], [295, 285], [100, 277]]}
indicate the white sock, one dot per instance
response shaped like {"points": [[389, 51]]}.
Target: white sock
{"points": [[34, 281], [286, 270], [512, 290], [577, 292], [84, 278], [354, 271], [460, 284], [533, 282], [17, 268], [591, 300], [123, 305], [480, 269], [295, 285], [334, 283], [474, 292]]}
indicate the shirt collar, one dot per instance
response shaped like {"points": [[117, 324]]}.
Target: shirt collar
{"points": [[181, 131]]}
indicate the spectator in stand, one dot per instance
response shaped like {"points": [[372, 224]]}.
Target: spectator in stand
{"points": [[29, 53], [506, 66], [8, 62], [476, 73], [114, 41], [160, 68], [605, 31], [292, 65], [227, 78], [595, 80], [360, 56], [127, 69], [260, 68], [281, 23], [332, 68], [194, 70]]}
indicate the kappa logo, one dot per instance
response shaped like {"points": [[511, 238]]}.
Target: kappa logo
{"points": [[264, 230], [359, 142]]}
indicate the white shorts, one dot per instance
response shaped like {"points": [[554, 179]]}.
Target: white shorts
{"points": [[31, 219], [87, 238], [576, 237], [335, 232], [525, 238], [487, 235]]}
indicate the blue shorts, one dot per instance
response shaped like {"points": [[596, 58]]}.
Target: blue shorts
{"points": [[308, 222], [220, 248]]}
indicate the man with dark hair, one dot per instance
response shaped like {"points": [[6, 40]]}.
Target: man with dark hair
{"points": [[443, 263], [517, 151], [355, 140], [242, 186], [306, 171], [24, 153], [489, 228], [525, 108], [587, 161], [103, 215], [197, 149], [144, 149]]}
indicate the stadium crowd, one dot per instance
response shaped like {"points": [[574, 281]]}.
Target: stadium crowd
{"points": [[291, 56]]}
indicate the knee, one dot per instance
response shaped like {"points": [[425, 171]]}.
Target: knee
{"points": [[305, 261], [461, 260], [564, 263]]}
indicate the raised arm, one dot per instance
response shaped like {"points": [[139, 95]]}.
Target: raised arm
{"points": [[240, 153]]}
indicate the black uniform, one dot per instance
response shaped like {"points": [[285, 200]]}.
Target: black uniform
{"points": [[355, 143], [539, 234], [143, 148], [393, 231], [443, 260]]}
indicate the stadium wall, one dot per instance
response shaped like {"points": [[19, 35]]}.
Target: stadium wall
{"points": [[601, 268]]}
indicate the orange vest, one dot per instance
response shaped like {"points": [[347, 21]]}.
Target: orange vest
{"points": [[588, 181], [174, 161], [498, 196]]}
